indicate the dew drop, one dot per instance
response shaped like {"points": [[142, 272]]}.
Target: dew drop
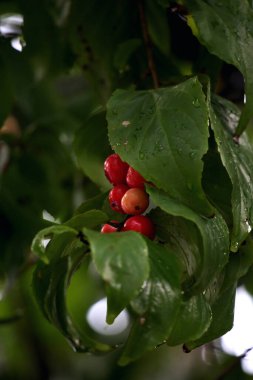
{"points": [[235, 246], [238, 57], [249, 228], [141, 155], [142, 321], [126, 123], [114, 112], [192, 154], [196, 102]]}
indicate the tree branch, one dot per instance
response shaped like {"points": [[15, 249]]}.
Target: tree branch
{"points": [[148, 44], [233, 365]]}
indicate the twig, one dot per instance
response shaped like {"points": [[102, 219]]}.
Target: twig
{"points": [[148, 44], [232, 365]]}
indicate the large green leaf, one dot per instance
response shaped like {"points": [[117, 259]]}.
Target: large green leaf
{"points": [[157, 305], [91, 148], [237, 157], [194, 318], [221, 294], [212, 254], [225, 28], [122, 261], [222, 317], [164, 134], [182, 237], [216, 182]]}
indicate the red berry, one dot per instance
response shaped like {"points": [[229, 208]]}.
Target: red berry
{"points": [[108, 228], [115, 197], [115, 169], [135, 201], [134, 179], [141, 224]]}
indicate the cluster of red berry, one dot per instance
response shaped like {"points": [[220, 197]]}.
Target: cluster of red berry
{"points": [[128, 196]]}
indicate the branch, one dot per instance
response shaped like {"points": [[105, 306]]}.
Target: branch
{"points": [[233, 365], [148, 44]]}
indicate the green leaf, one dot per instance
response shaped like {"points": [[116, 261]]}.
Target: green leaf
{"points": [[164, 134], [124, 52], [91, 149], [122, 261], [89, 219], [222, 317], [194, 318], [225, 28], [50, 284], [92, 203], [217, 184], [237, 157], [221, 295], [37, 244], [212, 254], [246, 263], [182, 237], [157, 305]]}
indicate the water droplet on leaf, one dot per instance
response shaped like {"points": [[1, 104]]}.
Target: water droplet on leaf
{"points": [[141, 155], [196, 103]]}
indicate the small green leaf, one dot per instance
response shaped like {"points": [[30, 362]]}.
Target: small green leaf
{"points": [[164, 134], [225, 28], [124, 52], [212, 254], [238, 161], [89, 219], [92, 203], [57, 229], [157, 305], [50, 285], [122, 261]]}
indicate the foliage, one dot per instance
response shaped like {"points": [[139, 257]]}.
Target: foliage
{"points": [[93, 78]]}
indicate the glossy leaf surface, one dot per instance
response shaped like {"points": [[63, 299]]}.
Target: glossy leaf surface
{"points": [[225, 28], [237, 157], [161, 139], [213, 254], [122, 261]]}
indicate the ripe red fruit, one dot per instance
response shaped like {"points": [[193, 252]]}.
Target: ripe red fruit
{"points": [[134, 179], [135, 201], [115, 197], [115, 169], [108, 228], [141, 224]]}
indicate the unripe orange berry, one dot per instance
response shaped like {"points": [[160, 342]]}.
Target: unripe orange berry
{"points": [[135, 201]]}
